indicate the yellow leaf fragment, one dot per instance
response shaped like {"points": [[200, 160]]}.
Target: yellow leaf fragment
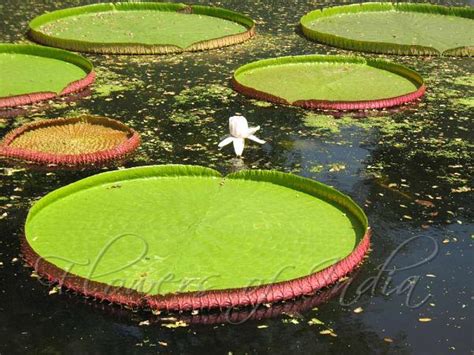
{"points": [[54, 290], [314, 321], [328, 332], [175, 325], [425, 320]]}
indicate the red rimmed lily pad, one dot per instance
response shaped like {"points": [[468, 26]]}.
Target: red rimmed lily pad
{"points": [[185, 237], [329, 82], [33, 73], [76, 141]]}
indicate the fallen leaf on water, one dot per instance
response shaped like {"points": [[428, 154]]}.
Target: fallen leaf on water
{"points": [[262, 326], [424, 320], [388, 340], [358, 310], [328, 332], [314, 321], [425, 203], [162, 343], [145, 322], [54, 290], [337, 167], [175, 325]]}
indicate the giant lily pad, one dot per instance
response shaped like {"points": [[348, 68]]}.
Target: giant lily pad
{"points": [[70, 141], [35, 73], [329, 82], [184, 237], [141, 28], [418, 29]]}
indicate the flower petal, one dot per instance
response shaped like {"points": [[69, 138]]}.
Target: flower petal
{"points": [[238, 126], [226, 141], [252, 130], [239, 144], [256, 139]]}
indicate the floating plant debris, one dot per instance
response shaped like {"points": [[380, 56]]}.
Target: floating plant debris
{"points": [[157, 209], [141, 28], [398, 28]]}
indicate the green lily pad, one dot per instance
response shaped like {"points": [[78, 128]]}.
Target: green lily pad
{"points": [[338, 82], [28, 69], [141, 28], [394, 28], [170, 229]]}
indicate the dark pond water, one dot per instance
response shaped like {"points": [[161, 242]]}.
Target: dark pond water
{"points": [[391, 162]]}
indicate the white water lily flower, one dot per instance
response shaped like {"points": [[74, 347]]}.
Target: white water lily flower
{"points": [[239, 132]]}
